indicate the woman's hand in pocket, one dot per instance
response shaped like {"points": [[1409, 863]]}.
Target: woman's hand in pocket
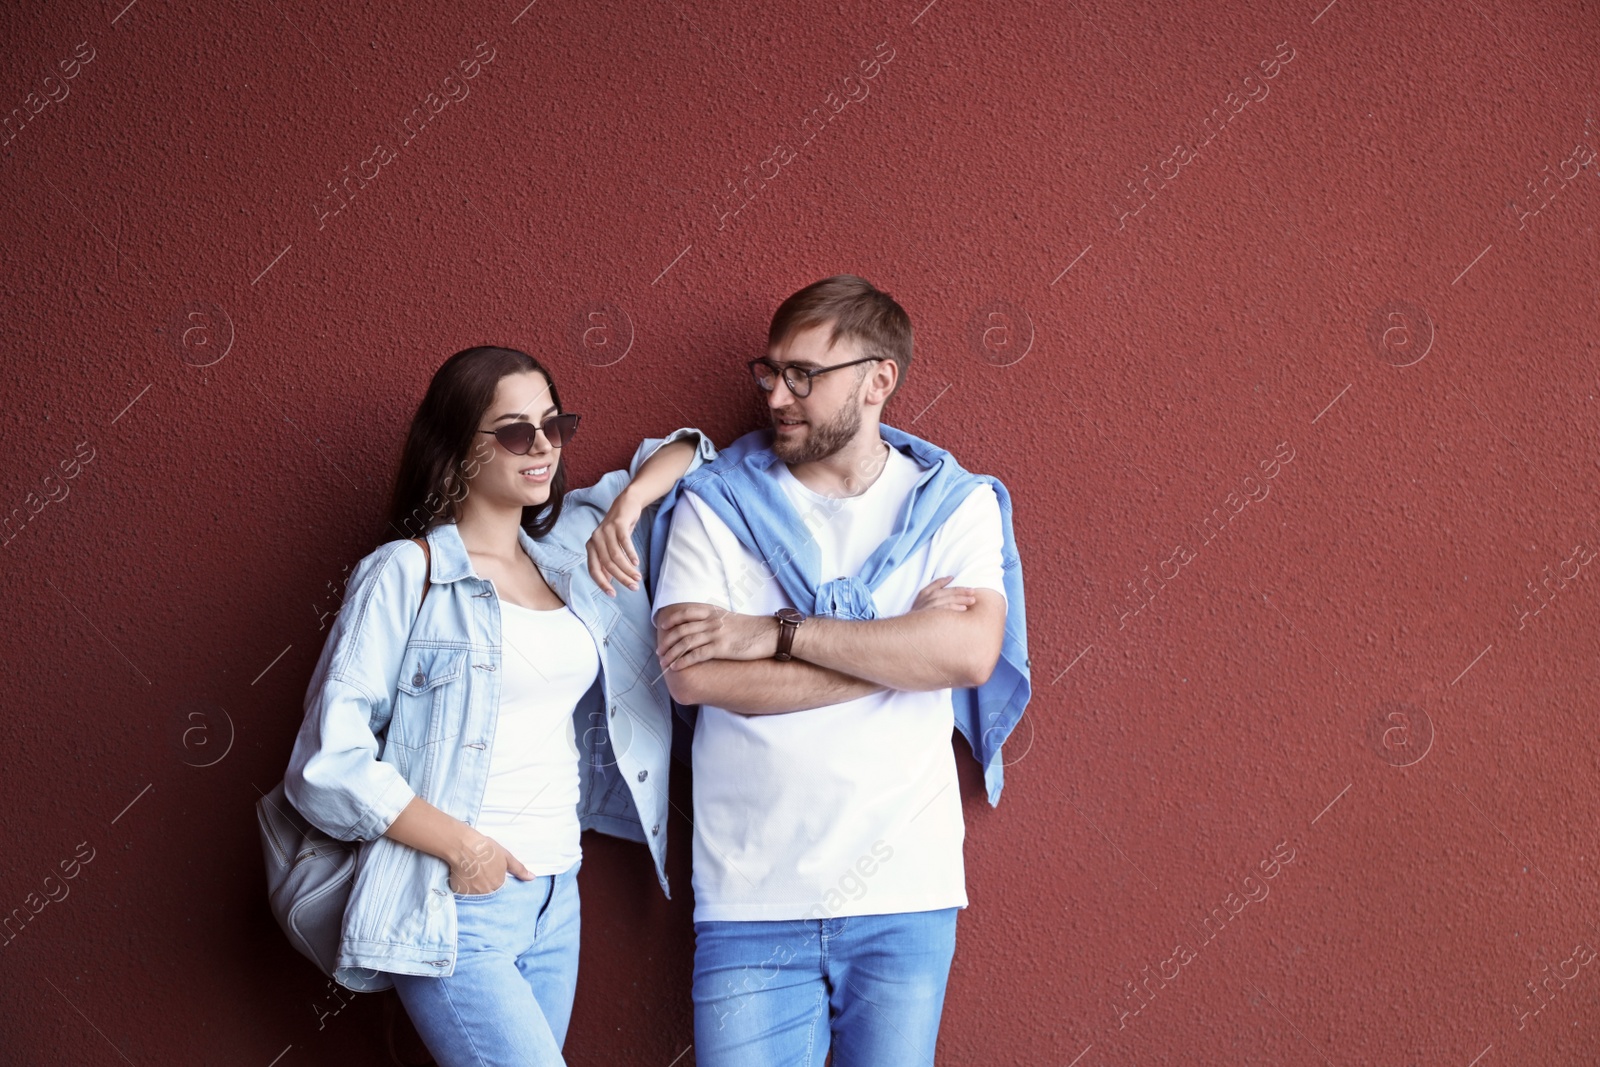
{"points": [[483, 866]]}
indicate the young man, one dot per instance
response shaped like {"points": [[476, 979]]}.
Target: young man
{"points": [[835, 595]]}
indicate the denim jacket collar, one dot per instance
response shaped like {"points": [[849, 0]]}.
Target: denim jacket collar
{"points": [[449, 561]]}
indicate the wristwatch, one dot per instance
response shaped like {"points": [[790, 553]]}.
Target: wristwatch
{"points": [[789, 621]]}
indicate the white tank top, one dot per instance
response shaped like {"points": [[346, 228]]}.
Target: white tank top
{"points": [[530, 804]]}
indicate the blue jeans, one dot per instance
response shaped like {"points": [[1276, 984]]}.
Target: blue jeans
{"points": [[510, 998], [777, 994]]}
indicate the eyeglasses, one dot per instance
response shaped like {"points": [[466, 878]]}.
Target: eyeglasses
{"points": [[766, 373], [518, 437]]}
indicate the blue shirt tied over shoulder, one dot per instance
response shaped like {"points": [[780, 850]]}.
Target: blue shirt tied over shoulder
{"points": [[736, 488]]}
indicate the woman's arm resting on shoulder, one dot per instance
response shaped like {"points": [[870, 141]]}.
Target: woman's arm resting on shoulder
{"points": [[610, 548], [656, 468]]}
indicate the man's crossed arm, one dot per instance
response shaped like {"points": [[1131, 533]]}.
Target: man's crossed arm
{"points": [[950, 639]]}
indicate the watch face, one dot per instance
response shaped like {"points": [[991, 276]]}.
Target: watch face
{"points": [[790, 615]]}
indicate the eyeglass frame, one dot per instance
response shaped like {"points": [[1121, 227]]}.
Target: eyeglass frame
{"points": [[781, 371], [538, 428]]}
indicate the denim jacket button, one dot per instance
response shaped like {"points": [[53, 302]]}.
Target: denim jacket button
{"points": [[643, 775], [418, 678], [656, 829]]}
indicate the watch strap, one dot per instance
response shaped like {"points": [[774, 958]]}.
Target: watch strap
{"points": [[786, 630]]}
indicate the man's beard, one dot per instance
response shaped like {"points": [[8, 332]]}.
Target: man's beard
{"points": [[822, 439]]}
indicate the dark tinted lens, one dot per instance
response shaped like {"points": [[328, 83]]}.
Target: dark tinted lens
{"points": [[517, 437], [560, 429]]}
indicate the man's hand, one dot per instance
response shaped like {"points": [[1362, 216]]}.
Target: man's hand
{"points": [[687, 634], [940, 594], [952, 642]]}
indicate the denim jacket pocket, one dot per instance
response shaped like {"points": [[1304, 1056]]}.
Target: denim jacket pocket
{"points": [[430, 686], [423, 669]]}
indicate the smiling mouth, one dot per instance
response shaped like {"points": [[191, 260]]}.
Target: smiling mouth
{"points": [[535, 472]]}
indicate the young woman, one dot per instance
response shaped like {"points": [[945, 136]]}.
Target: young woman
{"points": [[487, 692]]}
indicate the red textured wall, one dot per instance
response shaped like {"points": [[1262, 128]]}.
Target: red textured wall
{"points": [[1352, 325]]}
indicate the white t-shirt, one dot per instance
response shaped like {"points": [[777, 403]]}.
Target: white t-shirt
{"points": [[849, 809], [530, 802]]}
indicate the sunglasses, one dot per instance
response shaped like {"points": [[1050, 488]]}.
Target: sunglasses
{"points": [[518, 437]]}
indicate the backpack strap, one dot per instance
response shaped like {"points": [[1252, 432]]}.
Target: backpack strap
{"points": [[427, 560]]}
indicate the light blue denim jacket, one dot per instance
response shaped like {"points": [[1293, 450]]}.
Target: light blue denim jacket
{"points": [[397, 710]]}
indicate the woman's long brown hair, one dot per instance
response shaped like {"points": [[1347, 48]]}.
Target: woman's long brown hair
{"points": [[430, 485]]}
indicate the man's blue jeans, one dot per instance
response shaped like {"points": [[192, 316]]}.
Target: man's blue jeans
{"points": [[510, 998], [777, 994]]}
